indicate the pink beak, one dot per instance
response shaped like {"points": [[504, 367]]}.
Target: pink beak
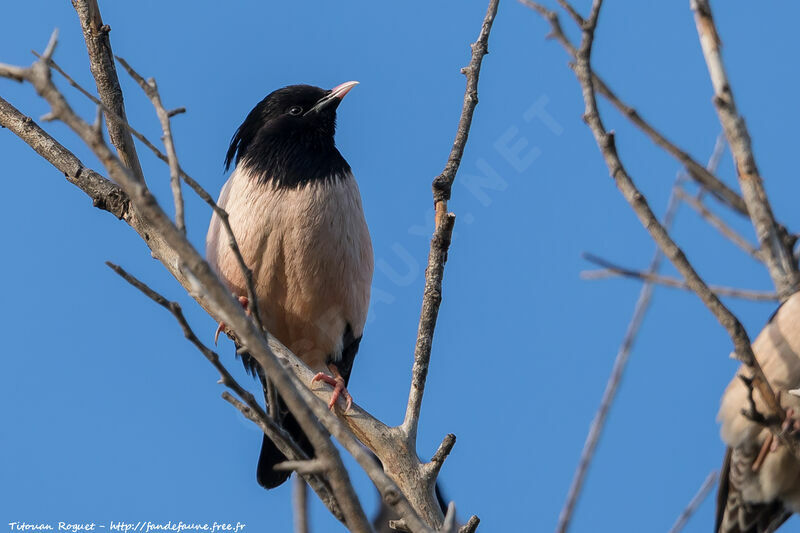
{"points": [[340, 90]]}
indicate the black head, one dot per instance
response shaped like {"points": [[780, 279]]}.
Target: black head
{"points": [[287, 139]]}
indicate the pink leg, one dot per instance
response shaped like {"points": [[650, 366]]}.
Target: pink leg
{"points": [[245, 302], [790, 427], [337, 382]]}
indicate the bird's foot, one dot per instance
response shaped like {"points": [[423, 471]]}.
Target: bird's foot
{"points": [[245, 302], [790, 428], [339, 389], [791, 424]]}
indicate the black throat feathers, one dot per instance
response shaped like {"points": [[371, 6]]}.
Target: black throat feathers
{"points": [[284, 143]]}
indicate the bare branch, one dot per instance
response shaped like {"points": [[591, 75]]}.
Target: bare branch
{"points": [[471, 525], [150, 88], [698, 498], [310, 466], [11, 72], [252, 409], [427, 323], [442, 186], [698, 172], [101, 62], [610, 270], [621, 360], [572, 13], [104, 194], [431, 469], [774, 245], [636, 199], [718, 224], [300, 504], [191, 182], [443, 183]]}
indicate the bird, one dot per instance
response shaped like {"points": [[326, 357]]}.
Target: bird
{"points": [[296, 213], [759, 485]]}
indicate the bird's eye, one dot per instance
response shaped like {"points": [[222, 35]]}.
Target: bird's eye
{"points": [[295, 110]]}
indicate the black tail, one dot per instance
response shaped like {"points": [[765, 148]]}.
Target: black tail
{"points": [[270, 455], [267, 476]]}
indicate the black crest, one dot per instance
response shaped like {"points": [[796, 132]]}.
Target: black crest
{"points": [[287, 141]]}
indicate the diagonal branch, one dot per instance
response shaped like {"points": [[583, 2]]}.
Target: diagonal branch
{"points": [[471, 526], [606, 144], [691, 508], [775, 246], [191, 182], [697, 171], [718, 224], [253, 411], [621, 360]]}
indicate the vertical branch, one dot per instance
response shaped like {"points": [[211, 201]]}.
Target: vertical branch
{"points": [[775, 246], [621, 361], [101, 62], [431, 300], [697, 171], [440, 243], [300, 504], [150, 88]]}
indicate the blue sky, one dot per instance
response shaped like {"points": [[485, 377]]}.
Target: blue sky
{"points": [[108, 414]]}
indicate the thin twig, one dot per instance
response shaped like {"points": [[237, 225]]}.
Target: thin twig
{"points": [[191, 182], [440, 243], [572, 13], [310, 466], [773, 239], [698, 498], [610, 270], [443, 183], [621, 360], [697, 171], [718, 224], [150, 88], [101, 63]]}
